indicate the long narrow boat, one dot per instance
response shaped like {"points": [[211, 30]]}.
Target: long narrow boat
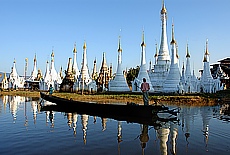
{"points": [[153, 120], [129, 110]]}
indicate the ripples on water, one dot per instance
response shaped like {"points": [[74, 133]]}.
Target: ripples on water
{"points": [[24, 129]]}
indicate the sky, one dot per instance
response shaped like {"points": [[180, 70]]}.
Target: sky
{"points": [[29, 27]]}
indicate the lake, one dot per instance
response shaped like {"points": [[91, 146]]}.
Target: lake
{"points": [[27, 130]]}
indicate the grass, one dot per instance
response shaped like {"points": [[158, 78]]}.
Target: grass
{"points": [[108, 97]]}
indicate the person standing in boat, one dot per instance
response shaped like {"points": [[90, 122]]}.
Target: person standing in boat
{"points": [[145, 90], [51, 89]]}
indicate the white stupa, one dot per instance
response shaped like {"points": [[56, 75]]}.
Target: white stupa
{"points": [[35, 71], [119, 83], [15, 81], [75, 66], [84, 81], [207, 83], [160, 70], [188, 86], [136, 84], [172, 81], [51, 76], [84, 74], [194, 82]]}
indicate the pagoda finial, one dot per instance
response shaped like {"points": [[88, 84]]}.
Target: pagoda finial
{"points": [[84, 46], [52, 54], [206, 51], [173, 39], [143, 38], [187, 52], [35, 58], [119, 44], [156, 54], [205, 56], [74, 49], [163, 10]]}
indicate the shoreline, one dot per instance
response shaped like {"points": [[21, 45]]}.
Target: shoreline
{"points": [[166, 99]]}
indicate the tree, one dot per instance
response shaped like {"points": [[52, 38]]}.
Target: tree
{"points": [[132, 74]]}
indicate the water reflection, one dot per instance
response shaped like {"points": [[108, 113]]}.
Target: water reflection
{"points": [[14, 102], [173, 137], [223, 113], [193, 129], [84, 121], [144, 137], [119, 136], [50, 118]]}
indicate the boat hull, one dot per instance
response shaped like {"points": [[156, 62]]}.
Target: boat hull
{"points": [[131, 110]]}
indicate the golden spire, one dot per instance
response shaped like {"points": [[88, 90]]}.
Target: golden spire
{"points": [[74, 49], [205, 57], [143, 39], [35, 57], [206, 51], [156, 54], [163, 10], [84, 46], [119, 45], [173, 39], [187, 52], [52, 54]]}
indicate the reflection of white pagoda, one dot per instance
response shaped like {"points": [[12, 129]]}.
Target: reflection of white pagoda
{"points": [[173, 137], [206, 115], [34, 106], [14, 102], [163, 134], [50, 118], [75, 123], [84, 121], [72, 121], [103, 122], [5, 101], [119, 133], [69, 118]]}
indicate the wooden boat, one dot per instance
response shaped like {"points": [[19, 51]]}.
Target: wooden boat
{"points": [[129, 110], [153, 120]]}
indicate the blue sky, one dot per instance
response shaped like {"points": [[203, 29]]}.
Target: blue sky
{"points": [[38, 26]]}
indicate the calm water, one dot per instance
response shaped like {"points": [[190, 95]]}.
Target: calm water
{"points": [[24, 129]]}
